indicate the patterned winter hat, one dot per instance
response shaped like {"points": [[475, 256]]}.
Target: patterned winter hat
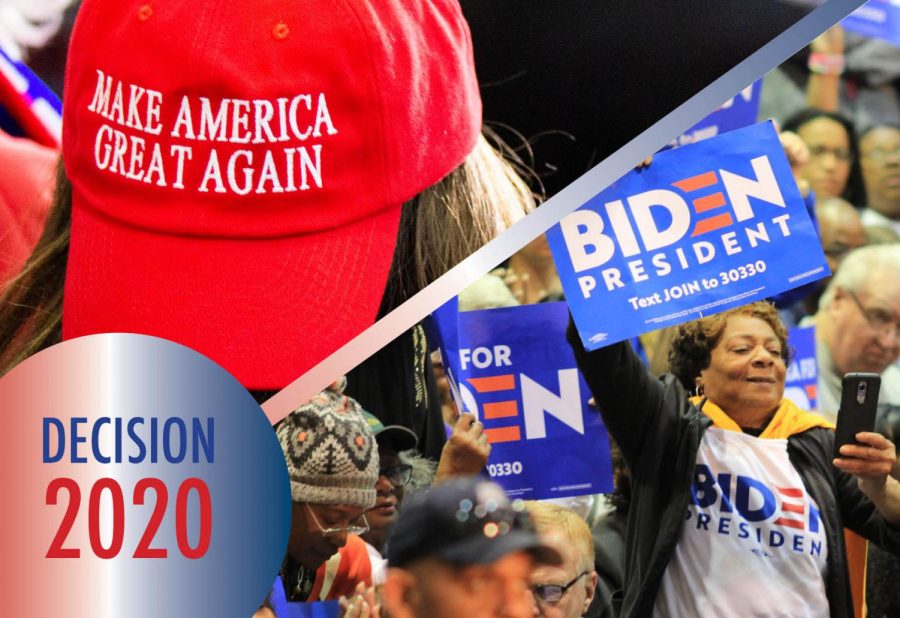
{"points": [[331, 454]]}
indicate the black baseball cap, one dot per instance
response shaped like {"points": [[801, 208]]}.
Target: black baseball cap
{"points": [[396, 436], [464, 521]]}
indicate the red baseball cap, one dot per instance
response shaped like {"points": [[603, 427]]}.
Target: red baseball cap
{"points": [[238, 168]]}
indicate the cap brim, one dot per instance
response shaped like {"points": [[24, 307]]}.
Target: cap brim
{"points": [[398, 437], [482, 550], [267, 310]]}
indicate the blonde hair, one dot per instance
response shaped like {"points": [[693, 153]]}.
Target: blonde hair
{"points": [[549, 517], [459, 214]]}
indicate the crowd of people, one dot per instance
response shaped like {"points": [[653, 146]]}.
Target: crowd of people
{"points": [[392, 513], [721, 409]]}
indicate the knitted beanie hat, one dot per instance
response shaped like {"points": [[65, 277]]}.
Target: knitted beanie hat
{"points": [[331, 454]]}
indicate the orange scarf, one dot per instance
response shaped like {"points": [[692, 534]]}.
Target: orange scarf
{"points": [[788, 420]]}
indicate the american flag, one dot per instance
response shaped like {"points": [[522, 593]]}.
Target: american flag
{"points": [[28, 107]]}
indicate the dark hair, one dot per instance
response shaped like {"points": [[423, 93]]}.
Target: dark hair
{"points": [[855, 191], [693, 344], [31, 303]]}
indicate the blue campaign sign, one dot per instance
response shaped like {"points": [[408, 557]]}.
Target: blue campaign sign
{"points": [[738, 111], [705, 227], [877, 18], [802, 374], [513, 368]]}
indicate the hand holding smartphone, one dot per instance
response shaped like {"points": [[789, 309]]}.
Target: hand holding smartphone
{"points": [[859, 402]]}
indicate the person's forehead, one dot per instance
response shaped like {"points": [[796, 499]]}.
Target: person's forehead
{"points": [[562, 541], [881, 289], [748, 327], [552, 574], [821, 130], [880, 137]]}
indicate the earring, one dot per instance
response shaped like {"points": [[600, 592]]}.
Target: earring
{"points": [[698, 390]]}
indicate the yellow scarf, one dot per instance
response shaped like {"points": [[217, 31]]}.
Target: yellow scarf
{"points": [[788, 420]]}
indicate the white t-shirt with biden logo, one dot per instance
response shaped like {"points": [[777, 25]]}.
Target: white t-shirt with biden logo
{"points": [[752, 542]]}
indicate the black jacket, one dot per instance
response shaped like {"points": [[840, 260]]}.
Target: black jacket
{"points": [[659, 432], [609, 562]]}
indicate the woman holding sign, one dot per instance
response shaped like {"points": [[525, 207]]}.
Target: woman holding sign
{"points": [[738, 507]]}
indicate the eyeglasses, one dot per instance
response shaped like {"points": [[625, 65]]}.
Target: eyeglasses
{"points": [[841, 154], [358, 526], [398, 475], [553, 593], [880, 320], [880, 154]]}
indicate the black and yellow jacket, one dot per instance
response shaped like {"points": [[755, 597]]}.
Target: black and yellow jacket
{"points": [[659, 431]]}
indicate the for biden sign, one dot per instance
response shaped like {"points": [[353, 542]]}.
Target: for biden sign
{"points": [[513, 369]]}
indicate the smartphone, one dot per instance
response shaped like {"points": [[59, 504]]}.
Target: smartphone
{"points": [[859, 403]]}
